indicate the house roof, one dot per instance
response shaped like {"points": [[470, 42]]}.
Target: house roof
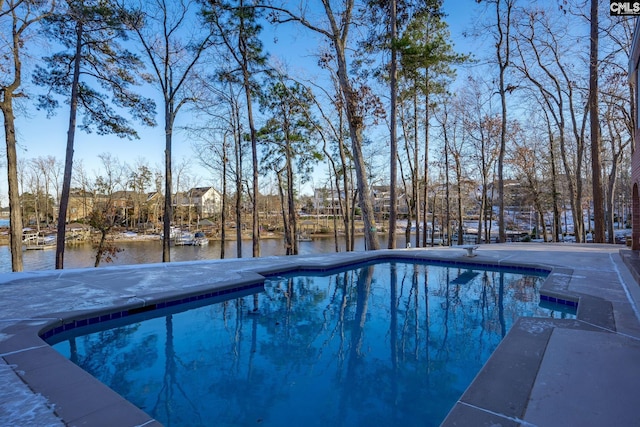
{"points": [[153, 195], [200, 191], [123, 194], [78, 192]]}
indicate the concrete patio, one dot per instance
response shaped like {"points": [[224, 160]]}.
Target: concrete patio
{"points": [[545, 372]]}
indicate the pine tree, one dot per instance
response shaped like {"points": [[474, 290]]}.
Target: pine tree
{"points": [[94, 73]]}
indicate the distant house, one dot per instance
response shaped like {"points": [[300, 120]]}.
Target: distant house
{"points": [[128, 206], [381, 198], [326, 201], [206, 201], [80, 204], [124, 202], [154, 207]]}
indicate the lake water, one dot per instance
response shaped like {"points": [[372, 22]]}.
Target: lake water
{"points": [[146, 252]]}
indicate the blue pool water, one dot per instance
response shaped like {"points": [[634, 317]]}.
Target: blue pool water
{"points": [[379, 345]]}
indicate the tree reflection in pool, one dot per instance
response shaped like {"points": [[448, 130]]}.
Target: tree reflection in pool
{"points": [[379, 344]]}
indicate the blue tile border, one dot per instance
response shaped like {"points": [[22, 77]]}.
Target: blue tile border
{"points": [[72, 324], [559, 300], [420, 260]]}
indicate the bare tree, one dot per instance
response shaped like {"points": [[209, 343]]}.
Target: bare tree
{"points": [[105, 213], [49, 169], [482, 125], [182, 197], [215, 138], [237, 27], [19, 17], [393, 139], [333, 133], [90, 35], [619, 117], [501, 34], [336, 29], [594, 124], [532, 169], [555, 192], [444, 120], [34, 200], [503, 53], [83, 184], [289, 147], [173, 45], [458, 147], [615, 134], [138, 180], [540, 46], [426, 56]]}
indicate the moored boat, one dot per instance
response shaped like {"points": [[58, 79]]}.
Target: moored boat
{"points": [[199, 239]]}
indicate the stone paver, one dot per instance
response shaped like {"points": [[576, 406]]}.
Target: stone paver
{"points": [[599, 371]]}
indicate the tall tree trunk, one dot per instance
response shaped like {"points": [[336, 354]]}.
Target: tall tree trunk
{"points": [[393, 206], [343, 211], [611, 188], [238, 143], [353, 219], [18, 25], [346, 211], [409, 201], [425, 182], [459, 193], [598, 202], [447, 214], [168, 196], [337, 33], [246, 82], [68, 162], [503, 53], [255, 225], [502, 235], [433, 221], [223, 212], [485, 168], [356, 124], [415, 176], [333, 214], [481, 214], [555, 195], [15, 214], [286, 225], [291, 205]]}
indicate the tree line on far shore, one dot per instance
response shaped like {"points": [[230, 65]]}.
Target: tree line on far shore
{"points": [[546, 106]]}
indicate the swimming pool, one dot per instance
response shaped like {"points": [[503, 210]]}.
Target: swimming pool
{"points": [[382, 344]]}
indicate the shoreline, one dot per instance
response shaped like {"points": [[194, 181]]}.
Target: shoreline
{"points": [[132, 236]]}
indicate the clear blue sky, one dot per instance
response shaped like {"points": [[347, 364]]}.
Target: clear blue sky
{"points": [[39, 136]]}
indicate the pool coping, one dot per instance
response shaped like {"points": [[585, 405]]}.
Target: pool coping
{"points": [[79, 399]]}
